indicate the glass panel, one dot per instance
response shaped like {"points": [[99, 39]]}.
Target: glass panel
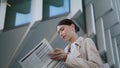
{"points": [[18, 13], [59, 10], [53, 8], [25, 19]]}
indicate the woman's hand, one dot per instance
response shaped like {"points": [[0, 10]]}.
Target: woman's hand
{"points": [[58, 54]]}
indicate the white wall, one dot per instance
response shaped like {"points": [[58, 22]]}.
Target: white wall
{"points": [[75, 6], [2, 15], [36, 10], [90, 21]]}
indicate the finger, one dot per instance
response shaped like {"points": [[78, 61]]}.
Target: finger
{"points": [[50, 53], [57, 57], [55, 53], [57, 49]]}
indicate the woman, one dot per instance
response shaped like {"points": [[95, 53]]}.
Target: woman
{"points": [[80, 52]]}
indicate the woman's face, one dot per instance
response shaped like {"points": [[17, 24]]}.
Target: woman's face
{"points": [[65, 31]]}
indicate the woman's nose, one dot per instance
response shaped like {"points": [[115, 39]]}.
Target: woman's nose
{"points": [[61, 34]]}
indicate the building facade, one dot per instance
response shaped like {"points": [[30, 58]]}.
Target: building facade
{"points": [[24, 23]]}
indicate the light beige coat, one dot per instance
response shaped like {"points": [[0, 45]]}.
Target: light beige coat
{"points": [[83, 54]]}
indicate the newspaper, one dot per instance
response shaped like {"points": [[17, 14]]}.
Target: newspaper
{"points": [[38, 57]]}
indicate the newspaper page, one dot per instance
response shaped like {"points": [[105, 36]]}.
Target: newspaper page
{"points": [[38, 57]]}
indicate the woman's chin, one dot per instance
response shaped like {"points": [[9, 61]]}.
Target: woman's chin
{"points": [[65, 39]]}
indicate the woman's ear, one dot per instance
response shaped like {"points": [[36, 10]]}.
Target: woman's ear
{"points": [[73, 26]]}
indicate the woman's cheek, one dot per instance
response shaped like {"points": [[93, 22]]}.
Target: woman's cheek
{"points": [[67, 35]]}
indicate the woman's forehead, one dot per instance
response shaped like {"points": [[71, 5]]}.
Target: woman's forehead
{"points": [[60, 26]]}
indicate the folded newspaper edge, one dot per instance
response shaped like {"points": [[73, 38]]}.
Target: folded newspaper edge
{"points": [[38, 57]]}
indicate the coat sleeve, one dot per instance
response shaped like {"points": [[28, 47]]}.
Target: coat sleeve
{"points": [[93, 59]]}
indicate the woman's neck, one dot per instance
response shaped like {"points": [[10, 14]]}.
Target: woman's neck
{"points": [[73, 39]]}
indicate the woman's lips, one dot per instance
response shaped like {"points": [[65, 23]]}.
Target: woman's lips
{"points": [[64, 37]]}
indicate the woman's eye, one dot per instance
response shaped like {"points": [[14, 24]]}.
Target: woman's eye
{"points": [[62, 29]]}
